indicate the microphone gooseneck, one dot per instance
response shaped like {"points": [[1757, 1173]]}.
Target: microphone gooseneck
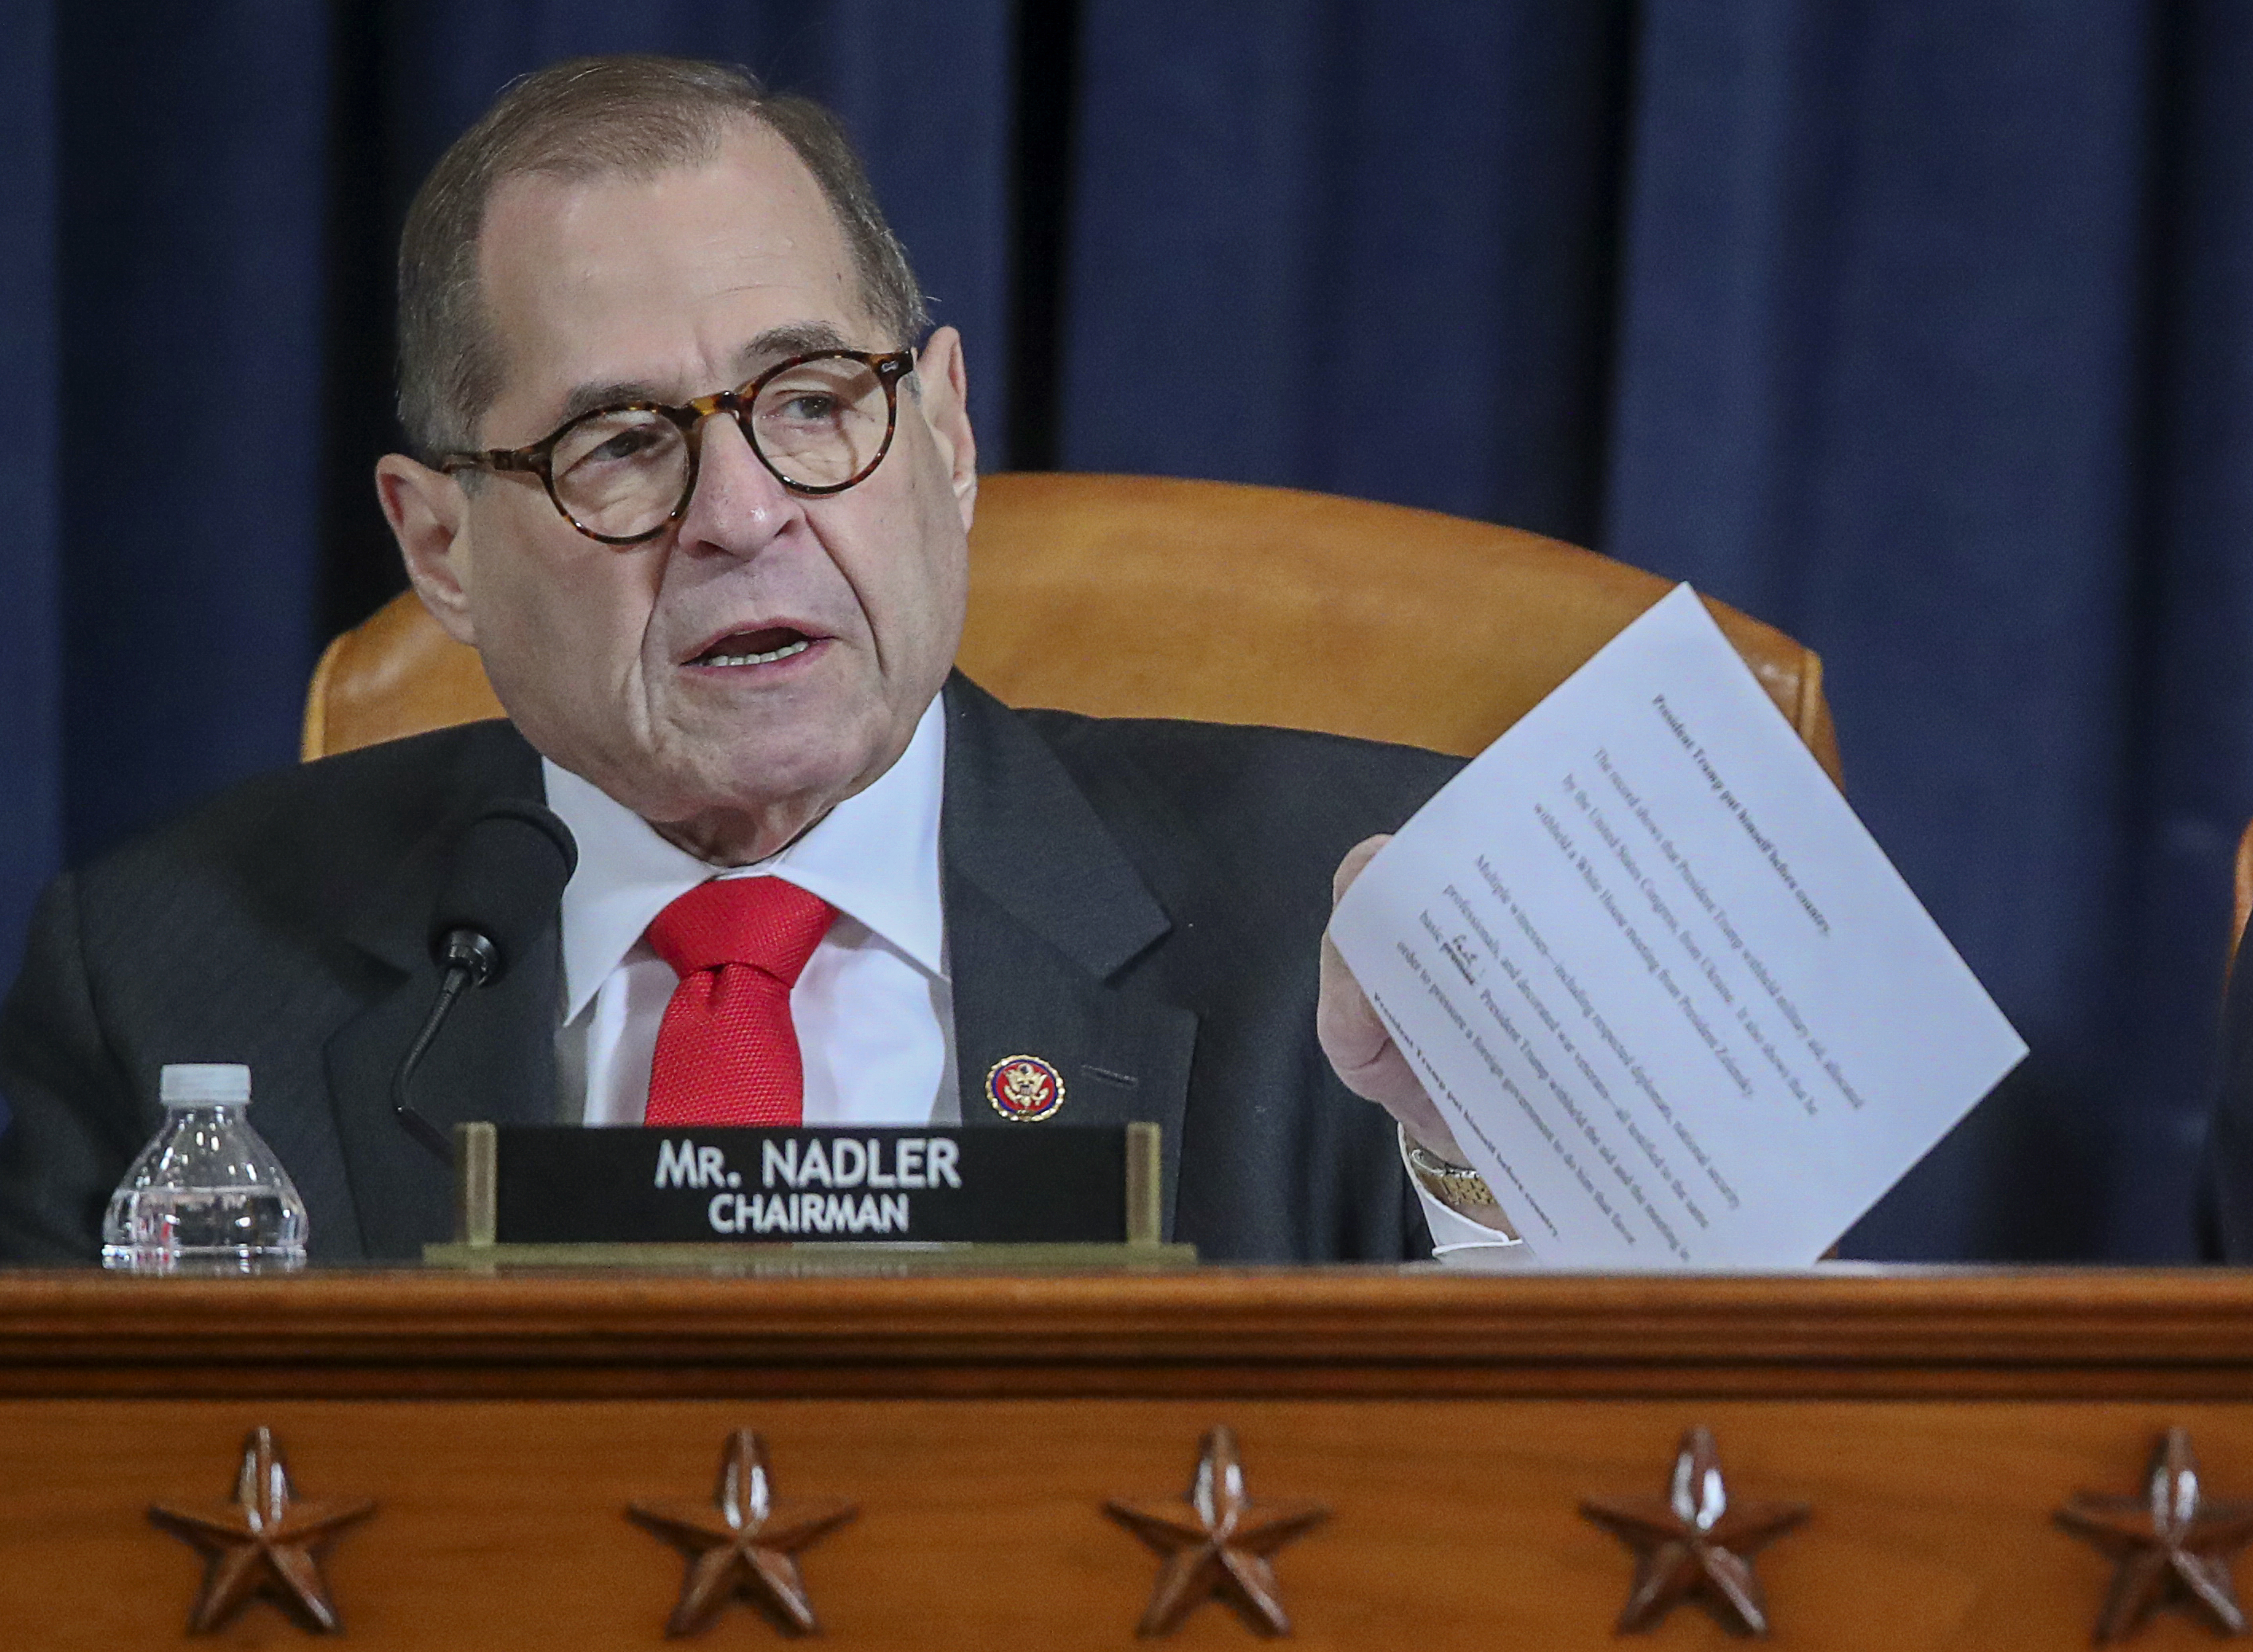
{"points": [[403, 1108], [510, 868]]}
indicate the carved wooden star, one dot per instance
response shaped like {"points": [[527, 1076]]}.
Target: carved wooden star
{"points": [[2172, 1542], [267, 1542], [1216, 1541], [1696, 1540], [743, 1543]]}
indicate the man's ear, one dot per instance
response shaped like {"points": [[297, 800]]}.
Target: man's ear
{"points": [[428, 515], [947, 409]]}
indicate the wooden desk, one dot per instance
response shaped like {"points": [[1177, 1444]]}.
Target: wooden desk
{"points": [[1453, 1424]]}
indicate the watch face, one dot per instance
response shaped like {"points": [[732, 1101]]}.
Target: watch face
{"points": [[1024, 1087]]}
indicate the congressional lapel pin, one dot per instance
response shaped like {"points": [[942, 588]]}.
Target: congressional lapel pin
{"points": [[1023, 1088]]}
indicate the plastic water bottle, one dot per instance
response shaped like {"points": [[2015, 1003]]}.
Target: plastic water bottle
{"points": [[207, 1195]]}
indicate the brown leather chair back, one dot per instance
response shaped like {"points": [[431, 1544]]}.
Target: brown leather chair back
{"points": [[1140, 596]]}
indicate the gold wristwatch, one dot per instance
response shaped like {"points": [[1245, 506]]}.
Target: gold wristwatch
{"points": [[1456, 1186]]}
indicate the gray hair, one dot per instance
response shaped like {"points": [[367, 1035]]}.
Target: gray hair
{"points": [[587, 117]]}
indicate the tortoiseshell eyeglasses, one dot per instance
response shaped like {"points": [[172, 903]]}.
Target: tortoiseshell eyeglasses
{"points": [[820, 422]]}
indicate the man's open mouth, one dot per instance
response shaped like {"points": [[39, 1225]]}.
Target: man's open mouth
{"points": [[756, 647]]}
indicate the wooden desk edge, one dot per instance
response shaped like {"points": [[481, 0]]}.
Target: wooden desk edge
{"points": [[1367, 1331]]}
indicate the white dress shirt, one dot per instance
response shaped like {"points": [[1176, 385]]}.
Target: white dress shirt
{"points": [[875, 1008]]}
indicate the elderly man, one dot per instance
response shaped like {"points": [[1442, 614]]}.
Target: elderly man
{"points": [[701, 503]]}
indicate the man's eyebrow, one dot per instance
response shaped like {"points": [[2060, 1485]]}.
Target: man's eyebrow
{"points": [[588, 397], [793, 338]]}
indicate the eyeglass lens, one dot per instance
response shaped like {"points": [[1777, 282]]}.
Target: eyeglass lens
{"points": [[819, 424]]}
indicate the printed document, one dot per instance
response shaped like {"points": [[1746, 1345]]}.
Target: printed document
{"points": [[1675, 1003]]}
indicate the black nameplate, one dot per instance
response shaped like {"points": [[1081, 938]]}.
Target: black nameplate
{"points": [[561, 1185]]}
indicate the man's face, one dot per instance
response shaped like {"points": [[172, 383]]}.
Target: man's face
{"points": [[667, 288]]}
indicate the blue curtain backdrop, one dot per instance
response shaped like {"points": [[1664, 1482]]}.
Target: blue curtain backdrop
{"points": [[1921, 328]]}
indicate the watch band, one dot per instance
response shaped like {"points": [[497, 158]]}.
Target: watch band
{"points": [[1457, 1186]]}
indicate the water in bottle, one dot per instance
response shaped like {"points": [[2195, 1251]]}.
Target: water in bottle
{"points": [[206, 1195]]}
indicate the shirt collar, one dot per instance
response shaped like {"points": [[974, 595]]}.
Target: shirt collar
{"points": [[874, 857]]}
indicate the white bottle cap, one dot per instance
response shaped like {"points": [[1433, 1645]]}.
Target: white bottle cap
{"points": [[203, 1083]]}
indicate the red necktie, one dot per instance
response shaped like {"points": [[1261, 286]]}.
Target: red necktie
{"points": [[727, 1053]]}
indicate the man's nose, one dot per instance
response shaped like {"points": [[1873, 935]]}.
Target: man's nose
{"points": [[738, 506]]}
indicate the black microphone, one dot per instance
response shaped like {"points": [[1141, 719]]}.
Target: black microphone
{"points": [[510, 868]]}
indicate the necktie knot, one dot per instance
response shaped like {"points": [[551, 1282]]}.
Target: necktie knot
{"points": [[763, 921]]}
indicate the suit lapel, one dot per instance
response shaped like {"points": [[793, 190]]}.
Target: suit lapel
{"points": [[1043, 912], [495, 1058]]}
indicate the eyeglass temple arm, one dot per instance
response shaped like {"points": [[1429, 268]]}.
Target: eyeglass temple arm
{"points": [[491, 459]]}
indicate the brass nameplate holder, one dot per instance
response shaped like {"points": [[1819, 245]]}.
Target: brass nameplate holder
{"points": [[808, 1200]]}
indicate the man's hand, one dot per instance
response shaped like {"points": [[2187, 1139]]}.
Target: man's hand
{"points": [[1356, 1041]]}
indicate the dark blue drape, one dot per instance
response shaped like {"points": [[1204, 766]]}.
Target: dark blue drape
{"points": [[1921, 328], [31, 640]]}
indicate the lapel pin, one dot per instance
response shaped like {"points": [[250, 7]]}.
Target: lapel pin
{"points": [[1023, 1088]]}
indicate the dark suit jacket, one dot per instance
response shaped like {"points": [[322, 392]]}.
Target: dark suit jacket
{"points": [[1138, 902]]}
